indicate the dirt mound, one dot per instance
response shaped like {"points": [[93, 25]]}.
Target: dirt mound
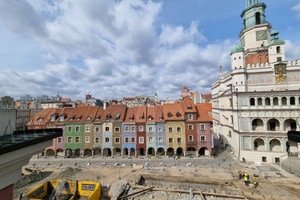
{"points": [[31, 178]]}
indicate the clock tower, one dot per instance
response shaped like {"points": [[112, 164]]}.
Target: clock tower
{"points": [[255, 35]]}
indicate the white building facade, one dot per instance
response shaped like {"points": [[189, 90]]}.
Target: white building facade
{"points": [[258, 101]]}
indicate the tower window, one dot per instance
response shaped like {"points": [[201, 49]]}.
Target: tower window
{"points": [[257, 18], [278, 49], [279, 59]]}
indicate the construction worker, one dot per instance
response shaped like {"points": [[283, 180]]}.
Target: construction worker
{"points": [[246, 179], [240, 174], [254, 182]]}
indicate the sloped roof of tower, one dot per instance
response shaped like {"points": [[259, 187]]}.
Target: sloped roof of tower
{"points": [[78, 115], [91, 114], [185, 88], [141, 114], [114, 113], [131, 115], [188, 105], [173, 111], [237, 48], [204, 111]]}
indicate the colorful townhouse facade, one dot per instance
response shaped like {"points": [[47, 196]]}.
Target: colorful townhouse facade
{"points": [[181, 128]]}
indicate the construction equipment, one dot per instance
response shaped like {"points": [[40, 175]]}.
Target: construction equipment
{"points": [[64, 189]]}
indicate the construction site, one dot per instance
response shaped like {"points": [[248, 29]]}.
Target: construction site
{"points": [[165, 178]]}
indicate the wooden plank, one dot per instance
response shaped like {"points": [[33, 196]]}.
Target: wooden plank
{"points": [[202, 197], [195, 192], [128, 195]]}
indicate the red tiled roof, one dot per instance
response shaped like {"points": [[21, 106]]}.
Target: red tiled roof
{"points": [[188, 105], [130, 114], [113, 111], [175, 110], [150, 113], [44, 115], [78, 114], [203, 110], [65, 99], [90, 116], [99, 115], [141, 114], [185, 88], [57, 112], [159, 117], [66, 112]]}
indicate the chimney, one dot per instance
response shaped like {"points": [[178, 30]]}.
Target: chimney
{"points": [[104, 105]]}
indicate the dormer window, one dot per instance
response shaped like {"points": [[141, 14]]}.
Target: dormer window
{"points": [[78, 118], [169, 114], [189, 107], [53, 117], [160, 118], [178, 114], [118, 116], [61, 118], [40, 119], [98, 117], [108, 116], [89, 117], [150, 118]]}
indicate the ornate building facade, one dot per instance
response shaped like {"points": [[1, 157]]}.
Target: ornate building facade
{"points": [[258, 101]]}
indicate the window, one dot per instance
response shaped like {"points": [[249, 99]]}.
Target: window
{"points": [[202, 127], [53, 118], [264, 159], [106, 139], [179, 140], [159, 129], [141, 140], [69, 129], [77, 139], [278, 49], [59, 140], [279, 59], [150, 128], [178, 129], [150, 139], [126, 128], [284, 101], [170, 140], [132, 129], [160, 139], [202, 138], [77, 128], [87, 128], [97, 140], [97, 129], [190, 116], [191, 127], [275, 101], [117, 140], [126, 140], [141, 128], [259, 101], [61, 118], [132, 139], [267, 101], [257, 18], [252, 102], [69, 140], [170, 129], [292, 100], [87, 139], [106, 128], [229, 134], [190, 138], [117, 129]]}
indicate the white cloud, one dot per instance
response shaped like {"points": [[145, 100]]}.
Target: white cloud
{"points": [[297, 9], [292, 50], [112, 49]]}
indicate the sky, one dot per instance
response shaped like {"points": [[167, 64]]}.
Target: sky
{"points": [[123, 48]]}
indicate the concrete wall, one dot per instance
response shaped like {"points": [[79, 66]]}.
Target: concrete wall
{"points": [[7, 117]]}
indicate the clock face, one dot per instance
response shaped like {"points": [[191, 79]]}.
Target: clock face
{"points": [[280, 69], [261, 35]]}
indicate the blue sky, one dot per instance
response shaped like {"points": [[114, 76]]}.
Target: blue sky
{"points": [[117, 48]]}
